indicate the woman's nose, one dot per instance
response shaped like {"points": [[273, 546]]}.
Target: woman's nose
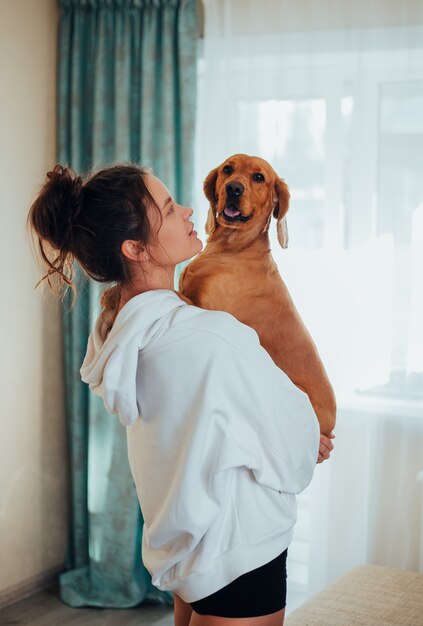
{"points": [[188, 212]]}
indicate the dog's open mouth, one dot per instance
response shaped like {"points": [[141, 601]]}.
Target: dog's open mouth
{"points": [[231, 213]]}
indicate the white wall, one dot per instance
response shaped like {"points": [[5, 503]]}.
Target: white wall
{"points": [[33, 452]]}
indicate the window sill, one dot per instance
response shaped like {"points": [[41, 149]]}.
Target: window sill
{"points": [[381, 405]]}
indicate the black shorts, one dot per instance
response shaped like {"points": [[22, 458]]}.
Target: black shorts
{"points": [[259, 592]]}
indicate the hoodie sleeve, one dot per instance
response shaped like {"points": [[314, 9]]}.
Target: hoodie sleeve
{"points": [[271, 427]]}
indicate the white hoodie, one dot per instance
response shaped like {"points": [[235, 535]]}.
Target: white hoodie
{"points": [[219, 438]]}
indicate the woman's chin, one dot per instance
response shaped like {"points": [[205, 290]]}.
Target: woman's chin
{"points": [[199, 245], [195, 247]]}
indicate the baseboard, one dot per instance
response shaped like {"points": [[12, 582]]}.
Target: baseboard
{"points": [[30, 586]]}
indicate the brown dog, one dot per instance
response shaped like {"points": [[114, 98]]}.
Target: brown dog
{"points": [[236, 273]]}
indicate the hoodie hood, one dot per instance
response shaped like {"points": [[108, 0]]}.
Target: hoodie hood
{"points": [[111, 362]]}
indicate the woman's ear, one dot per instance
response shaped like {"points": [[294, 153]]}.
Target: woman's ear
{"points": [[279, 212], [209, 188], [132, 250]]}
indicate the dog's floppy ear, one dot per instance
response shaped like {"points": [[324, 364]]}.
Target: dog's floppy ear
{"points": [[280, 210], [209, 188]]}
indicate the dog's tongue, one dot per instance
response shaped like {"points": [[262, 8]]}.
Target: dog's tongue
{"points": [[231, 211]]}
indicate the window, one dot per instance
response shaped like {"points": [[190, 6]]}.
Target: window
{"points": [[345, 130]]}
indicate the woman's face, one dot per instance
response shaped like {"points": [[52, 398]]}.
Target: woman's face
{"points": [[176, 240]]}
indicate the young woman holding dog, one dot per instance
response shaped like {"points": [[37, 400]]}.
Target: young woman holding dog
{"points": [[219, 439]]}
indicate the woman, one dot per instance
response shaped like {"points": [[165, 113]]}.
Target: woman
{"points": [[219, 439]]}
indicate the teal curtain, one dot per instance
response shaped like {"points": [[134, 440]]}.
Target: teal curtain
{"points": [[126, 93]]}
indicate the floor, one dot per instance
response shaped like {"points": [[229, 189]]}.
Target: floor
{"points": [[46, 609]]}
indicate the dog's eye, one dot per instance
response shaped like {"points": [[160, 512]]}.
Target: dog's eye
{"points": [[257, 176], [228, 169]]}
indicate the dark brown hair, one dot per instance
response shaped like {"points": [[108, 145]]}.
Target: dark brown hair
{"points": [[87, 220]]}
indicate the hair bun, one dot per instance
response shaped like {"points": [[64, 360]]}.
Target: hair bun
{"points": [[62, 194]]}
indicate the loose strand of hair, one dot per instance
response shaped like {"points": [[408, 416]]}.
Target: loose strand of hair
{"points": [[61, 267]]}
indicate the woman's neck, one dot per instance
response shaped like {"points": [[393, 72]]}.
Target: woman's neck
{"points": [[157, 278]]}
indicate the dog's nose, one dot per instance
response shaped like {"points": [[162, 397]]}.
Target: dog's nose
{"points": [[234, 189]]}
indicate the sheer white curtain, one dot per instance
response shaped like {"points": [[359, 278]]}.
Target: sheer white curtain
{"points": [[331, 94]]}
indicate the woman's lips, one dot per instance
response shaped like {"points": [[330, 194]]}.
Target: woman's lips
{"points": [[193, 232]]}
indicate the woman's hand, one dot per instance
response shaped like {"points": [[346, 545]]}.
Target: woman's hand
{"points": [[325, 448]]}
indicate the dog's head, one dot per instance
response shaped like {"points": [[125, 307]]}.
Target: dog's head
{"points": [[244, 192]]}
